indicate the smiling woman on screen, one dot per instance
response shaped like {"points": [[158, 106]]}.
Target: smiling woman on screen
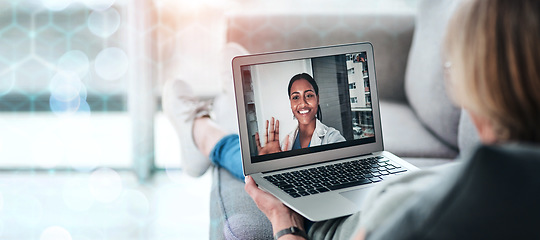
{"points": [[304, 98]]}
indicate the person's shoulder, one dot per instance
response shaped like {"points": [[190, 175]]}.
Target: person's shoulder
{"points": [[501, 151], [510, 148], [512, 155], [331, 133]]}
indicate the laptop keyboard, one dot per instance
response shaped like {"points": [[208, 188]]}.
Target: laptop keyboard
{"points": [[336, 176]]}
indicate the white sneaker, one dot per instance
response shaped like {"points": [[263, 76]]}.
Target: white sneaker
{"points": [[181, 107]]}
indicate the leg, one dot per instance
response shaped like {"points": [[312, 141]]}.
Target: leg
{"points": [[206, 134], [222, 149], [200, 137], [184, 110], [181, 108], [227, 155]]}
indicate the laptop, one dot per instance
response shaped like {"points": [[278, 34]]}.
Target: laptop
{"points": [[329, 174]]}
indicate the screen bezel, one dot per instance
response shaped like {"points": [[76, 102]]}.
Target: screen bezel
{"points": [[308, 158]]}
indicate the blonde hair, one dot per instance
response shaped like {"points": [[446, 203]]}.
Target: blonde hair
{"points": [[495, 49]]}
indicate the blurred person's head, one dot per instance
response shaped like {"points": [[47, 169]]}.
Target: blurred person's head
{"points": [[493, 53]]}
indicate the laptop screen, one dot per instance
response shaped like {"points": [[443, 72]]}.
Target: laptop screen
{"points": [[309, 105]]}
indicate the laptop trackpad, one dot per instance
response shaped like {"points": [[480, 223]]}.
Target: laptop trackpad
{"points": [[357, 197]]}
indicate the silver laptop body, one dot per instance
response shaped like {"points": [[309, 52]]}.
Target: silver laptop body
{"points": [[345, 75]]}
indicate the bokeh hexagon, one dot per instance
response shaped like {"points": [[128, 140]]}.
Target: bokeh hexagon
{"points": [[28, 6], [41, 20], [33, 76], [51, 43], [87, 42], [6, 16], [15, 44], [70, 20]]}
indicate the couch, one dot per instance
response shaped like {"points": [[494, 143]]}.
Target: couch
{"points": [[419, 122]]}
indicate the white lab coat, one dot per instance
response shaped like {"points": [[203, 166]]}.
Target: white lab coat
{"points": [[322, 135]]}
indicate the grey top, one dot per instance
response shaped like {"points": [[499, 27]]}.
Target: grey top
{"points": [[493, 193]]}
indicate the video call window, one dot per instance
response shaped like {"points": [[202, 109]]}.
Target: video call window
{"points": [[343, 115]]}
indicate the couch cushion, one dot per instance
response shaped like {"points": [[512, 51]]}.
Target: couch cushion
{"points": [[424, 83], [233, 214], [390, 34], [405, 136]]}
